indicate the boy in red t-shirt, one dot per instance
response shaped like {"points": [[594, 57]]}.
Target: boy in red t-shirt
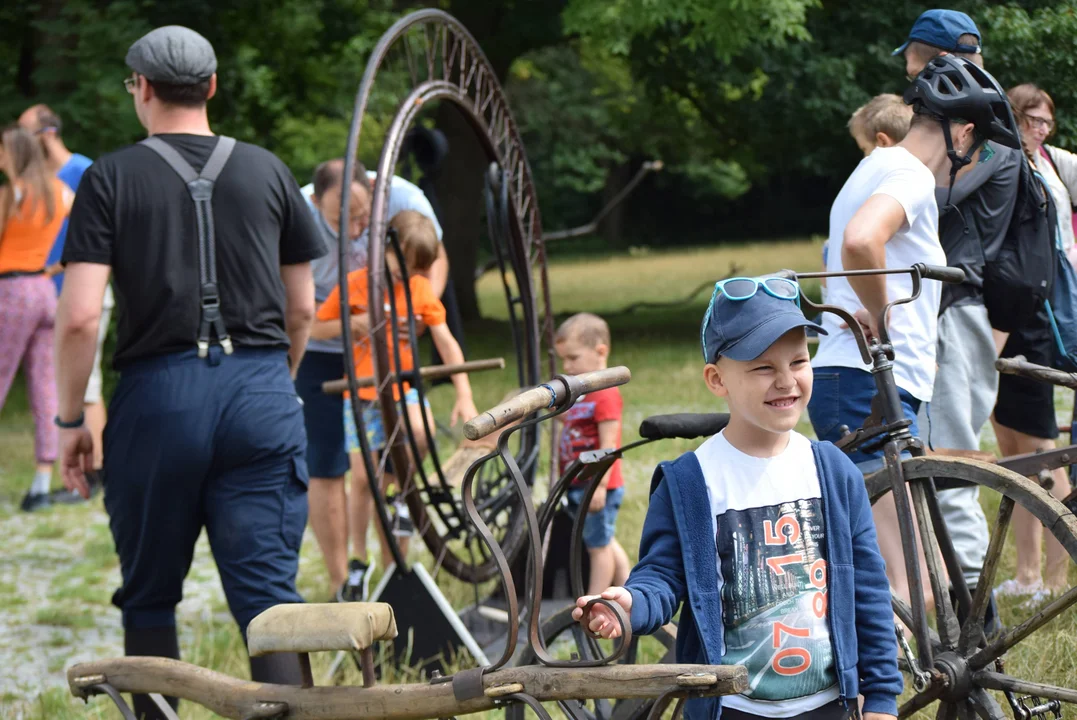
{"points": [[419, 243], [594, 422]]}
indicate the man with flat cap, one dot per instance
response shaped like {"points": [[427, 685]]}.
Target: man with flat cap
{"points": [[209, 244]]}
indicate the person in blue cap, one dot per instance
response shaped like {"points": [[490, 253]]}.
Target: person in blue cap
{"points": [[938, 31], [764, 536], [974, 218]]}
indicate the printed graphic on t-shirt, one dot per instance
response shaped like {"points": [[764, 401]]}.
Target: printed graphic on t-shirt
{"points": [[580, 432], [774, 598]]}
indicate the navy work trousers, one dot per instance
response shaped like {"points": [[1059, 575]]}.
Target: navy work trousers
{"points": [[213, 442]]}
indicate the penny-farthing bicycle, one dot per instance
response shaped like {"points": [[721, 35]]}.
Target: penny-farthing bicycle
{"points": [[428, 58]]}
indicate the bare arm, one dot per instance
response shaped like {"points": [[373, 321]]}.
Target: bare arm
{"points": [[451, 354], [78, 316], [439, 271], [1066, 164], [864, 247], [298, 282]]}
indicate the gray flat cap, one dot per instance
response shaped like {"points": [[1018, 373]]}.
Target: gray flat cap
{"points": [[172, 54]]}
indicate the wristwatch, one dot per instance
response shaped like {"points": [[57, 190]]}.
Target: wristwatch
{"points": [[76, 423]]}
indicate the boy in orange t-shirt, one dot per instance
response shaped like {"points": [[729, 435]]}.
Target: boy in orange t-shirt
{"points": [[419, 243]]}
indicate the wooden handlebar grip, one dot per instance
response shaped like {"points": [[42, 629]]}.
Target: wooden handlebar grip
{"points": [[549, 395]]}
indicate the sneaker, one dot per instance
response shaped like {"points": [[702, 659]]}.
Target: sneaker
{"points": [[35, 501], [1013, 588], [401, 521], [357, 587], [66, 497]]}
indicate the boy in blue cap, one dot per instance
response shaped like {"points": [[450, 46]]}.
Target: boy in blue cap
{"points": [[766, 537]]}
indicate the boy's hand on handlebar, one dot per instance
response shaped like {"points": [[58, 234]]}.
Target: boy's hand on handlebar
{"points": [[600, 620]]}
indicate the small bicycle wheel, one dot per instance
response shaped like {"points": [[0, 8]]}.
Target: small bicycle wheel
{"points": [[563, 636], [968, 671]]}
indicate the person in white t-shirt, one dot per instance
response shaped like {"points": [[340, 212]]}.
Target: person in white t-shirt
{"points": [[886, 216], [764, 536]]}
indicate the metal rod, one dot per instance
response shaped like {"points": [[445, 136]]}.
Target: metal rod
{"points": [[427, 372]]}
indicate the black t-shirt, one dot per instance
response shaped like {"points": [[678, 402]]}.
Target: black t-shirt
{"points": [[133, 212]]}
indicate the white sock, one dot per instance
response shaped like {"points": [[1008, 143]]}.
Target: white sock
{"points": [[42, 480]]}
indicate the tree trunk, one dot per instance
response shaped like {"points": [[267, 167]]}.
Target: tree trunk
{"points": [[459, 191]]}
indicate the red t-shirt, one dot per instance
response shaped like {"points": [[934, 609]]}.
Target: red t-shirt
{"points": [[580, 431]]}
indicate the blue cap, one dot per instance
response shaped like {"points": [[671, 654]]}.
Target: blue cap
{"points": [[941, 29], [743, 329]]}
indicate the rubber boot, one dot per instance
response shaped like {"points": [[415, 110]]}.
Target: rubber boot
{"points": [[277, 668], [153, 642]]}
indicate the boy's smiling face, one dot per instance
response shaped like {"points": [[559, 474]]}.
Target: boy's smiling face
{"points": [[767, 394]]}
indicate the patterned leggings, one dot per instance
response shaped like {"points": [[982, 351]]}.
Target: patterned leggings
{"points": [[27, 313]]}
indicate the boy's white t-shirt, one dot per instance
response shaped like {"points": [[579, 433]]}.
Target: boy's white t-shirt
{"points": [[892, 171], [770, 547]]}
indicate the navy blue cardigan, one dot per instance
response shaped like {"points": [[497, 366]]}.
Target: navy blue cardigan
{"points": [[677, 562]]}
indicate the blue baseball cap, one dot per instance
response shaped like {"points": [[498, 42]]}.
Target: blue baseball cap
{"points": [[742, 330], [941, 29]]}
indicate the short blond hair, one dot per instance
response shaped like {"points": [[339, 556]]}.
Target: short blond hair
{"points": [[418, 239], [886, 113], [587, 329]]}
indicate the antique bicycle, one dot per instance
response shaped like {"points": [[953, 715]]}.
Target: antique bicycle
{"points": [[359, 627], [955, 663]]}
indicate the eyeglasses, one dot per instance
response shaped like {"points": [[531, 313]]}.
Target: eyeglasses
{"points": [[130, 83], [743, 288], [1038, 122]]}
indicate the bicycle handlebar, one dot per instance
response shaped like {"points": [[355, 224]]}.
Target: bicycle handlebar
{"points": [[548, 395], [941, 273], [1019, 366]]}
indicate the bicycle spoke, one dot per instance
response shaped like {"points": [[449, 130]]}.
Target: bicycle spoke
{"points": [[972, 632], [906, 526], [998, 681], [1011, 637], [948, 628], [984, 705], [904, 613], [946, 711], [919, 702]]}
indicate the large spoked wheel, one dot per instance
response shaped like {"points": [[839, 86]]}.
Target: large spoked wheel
{"points": [[428, 58], [1010, 670], [565, 638]]}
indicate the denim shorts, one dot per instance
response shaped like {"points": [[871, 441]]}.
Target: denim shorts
{"points": [[375, 428], [599, 527], [326, 456], [842, 396]]}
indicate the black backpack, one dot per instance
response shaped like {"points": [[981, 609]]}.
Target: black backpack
{"points": [[1020, 278]]}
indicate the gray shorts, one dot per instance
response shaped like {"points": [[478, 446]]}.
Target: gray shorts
{"points": [[966, 384]]}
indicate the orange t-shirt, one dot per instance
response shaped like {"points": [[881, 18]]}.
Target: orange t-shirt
{"points": [[424, 303], [28, 236]]}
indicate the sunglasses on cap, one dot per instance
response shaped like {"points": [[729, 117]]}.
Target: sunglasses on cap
{"points": [[744, 288]]}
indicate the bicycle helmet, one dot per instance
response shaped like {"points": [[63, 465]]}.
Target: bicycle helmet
{"points": [[953, 88]]}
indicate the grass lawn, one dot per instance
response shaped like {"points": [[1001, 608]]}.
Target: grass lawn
{"points": [[59, 568]]}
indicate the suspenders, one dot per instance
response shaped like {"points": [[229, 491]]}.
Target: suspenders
{"points": [[200, 186]]}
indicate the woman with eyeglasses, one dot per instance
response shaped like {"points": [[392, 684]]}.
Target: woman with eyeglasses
{"points": [[33, 205], [1024, 416]]}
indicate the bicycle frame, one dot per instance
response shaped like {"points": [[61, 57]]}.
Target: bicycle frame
{"points": [[888, 426]]}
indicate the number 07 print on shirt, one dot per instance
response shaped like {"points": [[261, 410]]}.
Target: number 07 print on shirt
{"points": [[774, 598]]}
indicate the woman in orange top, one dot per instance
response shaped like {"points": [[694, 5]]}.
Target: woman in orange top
{"points": [[33, 206]]}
